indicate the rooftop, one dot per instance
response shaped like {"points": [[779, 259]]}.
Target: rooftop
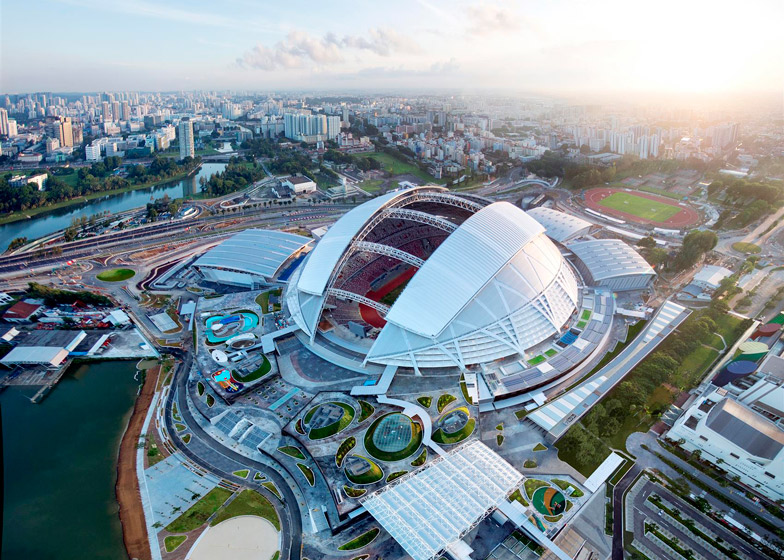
{"points": [[746, 429], [610, 258]]}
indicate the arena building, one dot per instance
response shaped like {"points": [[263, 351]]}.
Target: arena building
{"points": [[252, 258], [426, 279]]}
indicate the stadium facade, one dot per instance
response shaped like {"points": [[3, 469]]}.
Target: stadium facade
{"points": [[424, 278]]}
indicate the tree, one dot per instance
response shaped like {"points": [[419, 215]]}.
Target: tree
{"points": [[695, 244], [647, 242]]}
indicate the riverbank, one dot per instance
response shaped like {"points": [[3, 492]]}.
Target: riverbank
{"points": [[134, 528], [26, 214]]}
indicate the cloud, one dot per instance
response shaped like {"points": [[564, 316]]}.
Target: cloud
{"points": [[299, 48], [436, 69], [491, 18]]}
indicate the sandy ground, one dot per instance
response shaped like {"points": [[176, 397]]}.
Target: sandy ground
{"points": [[240, 538], [127, 489]]}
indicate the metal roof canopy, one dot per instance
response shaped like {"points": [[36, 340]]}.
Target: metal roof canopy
{"points": [[610, 258], [438, 504], [254, 251], [559, 225]]}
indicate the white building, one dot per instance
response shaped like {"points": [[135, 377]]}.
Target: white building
{"points": [[710, 276], [39, 181], [186, 139], [737, 438], [612, 264], [311, 128], [92, 152], [300, 185]]}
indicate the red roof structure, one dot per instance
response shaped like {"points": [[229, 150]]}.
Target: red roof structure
{"points": [[21, 311]]}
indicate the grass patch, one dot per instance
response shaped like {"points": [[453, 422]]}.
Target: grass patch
{"points": [[369, 477], [499, 439], [395, 475], [210, 400], [563, 485], [443, 401], [371, 185], [345, 446], [352, 492], [522, 413], [186, 438], [394, 166], [260, 372], [464, 390], [335, 427], [362, 540], [550, 352], [529, 464], [540, 447], [249, 502], [390, 456], [581, 324], [116, 275], [641, 207], [553, 518], [748, 248], [536, 360], [366, 411], [173, 542], [531, 484], [258, 476], [308, 472], [272, 488], [242, 473], [292, 451], [586, 314], [419, 461], [199, 512], [517, 495], [179, 427], [425, 401], [440, 436]]}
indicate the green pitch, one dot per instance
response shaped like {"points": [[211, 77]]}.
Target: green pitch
{"points": [[641, 207]]}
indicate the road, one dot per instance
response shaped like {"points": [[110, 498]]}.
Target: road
{"points": [[618, 517]]}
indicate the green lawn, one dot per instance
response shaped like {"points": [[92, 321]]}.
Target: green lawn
{"points": [[249, 503], [371, 185], [394, 166], [369, 477], [540, 447], [199, 512], [272, 488], [531, 484], [242, 473], [116, 275], [395, 475], [362, 540], [419, 461], [308, 472], [346, 445], [292, 451], [352, 492], [335, 427], [443, 401], [748, 248], [639, 206], [440, 436], [390, 456], [260, 372], [366, 412], [425, 401], [536, 360], [694, 366], [172, 542]]}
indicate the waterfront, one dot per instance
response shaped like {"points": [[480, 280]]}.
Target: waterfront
{"points": [[49, 222], [60, 465]]}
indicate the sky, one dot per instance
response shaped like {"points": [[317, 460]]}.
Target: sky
{"points": [[544, 46]]}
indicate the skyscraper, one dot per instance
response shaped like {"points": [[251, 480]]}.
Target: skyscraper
{"points": [[3, 122], [186, 138], [64, 131]]}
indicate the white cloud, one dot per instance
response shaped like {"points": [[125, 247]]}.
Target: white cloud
{"points": [[299, 48], [491, 18]]}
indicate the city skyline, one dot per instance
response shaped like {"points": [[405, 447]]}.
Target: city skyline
{"points": [[560, 47]]}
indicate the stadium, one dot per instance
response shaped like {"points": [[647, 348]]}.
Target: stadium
{"points": [[423, 278]]}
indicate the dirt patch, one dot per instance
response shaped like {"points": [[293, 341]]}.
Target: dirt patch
{"points": [[127, 489]]}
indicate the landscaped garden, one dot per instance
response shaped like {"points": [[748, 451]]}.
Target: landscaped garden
{"points": [[116, 275], [199, 512], [249, 502], [443, 401], [330, 426], [366, 411], [362, 540], [308, 473], [173, 542], [292, 451], [447, 435], [258, 373], [393, 437], [370, 476], [352, 492], [345, 446]]}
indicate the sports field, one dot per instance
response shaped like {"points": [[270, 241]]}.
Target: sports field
{"points": [[644, 208]]}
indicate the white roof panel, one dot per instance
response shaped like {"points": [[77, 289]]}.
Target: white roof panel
{"points": [[610, 258], [53, 355], [254, 251], [439, 503], [465, 262], [559, 225]]}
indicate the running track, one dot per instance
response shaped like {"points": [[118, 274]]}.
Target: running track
{"points": [[687, 216], [370, 315]]}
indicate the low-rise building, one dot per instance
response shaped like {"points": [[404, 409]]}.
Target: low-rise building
{"points": [[22, 312], [300, 185], [38, 180], [710, 276]]}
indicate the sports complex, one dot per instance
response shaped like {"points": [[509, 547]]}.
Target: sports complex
{"points": [[642, 207]]}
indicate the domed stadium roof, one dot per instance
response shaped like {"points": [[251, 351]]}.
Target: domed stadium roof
{"points": [[493, 284]]}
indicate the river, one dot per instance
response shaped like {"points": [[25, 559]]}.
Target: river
{"points": [[50, 222], [60, 465]]}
